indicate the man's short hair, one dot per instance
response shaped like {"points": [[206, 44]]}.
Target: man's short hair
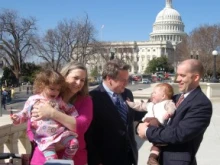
{"points": [[195, 66], [113, 67]]}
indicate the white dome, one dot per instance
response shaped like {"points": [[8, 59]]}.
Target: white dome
{"points": [[168, 25], [168, 14]]}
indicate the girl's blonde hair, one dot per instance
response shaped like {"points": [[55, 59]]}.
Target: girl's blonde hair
{"points": [[46, 78]]}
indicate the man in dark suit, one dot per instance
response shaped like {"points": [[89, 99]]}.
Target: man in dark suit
{"points": [[110, 138], [184, 132]]}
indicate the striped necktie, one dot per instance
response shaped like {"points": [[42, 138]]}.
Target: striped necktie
{"points": [[180, 100], [122, 108]]}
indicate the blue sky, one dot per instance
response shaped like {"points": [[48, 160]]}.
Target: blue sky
{"points": [[129, 20]]}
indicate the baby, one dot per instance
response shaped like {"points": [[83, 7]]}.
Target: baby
{"points": [[161, 107]]}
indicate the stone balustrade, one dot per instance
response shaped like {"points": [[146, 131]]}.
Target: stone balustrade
{"points": [[212, 91], [13, 139]]}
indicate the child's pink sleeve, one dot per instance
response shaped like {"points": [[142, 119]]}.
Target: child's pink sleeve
{"points": [[23, 114]]}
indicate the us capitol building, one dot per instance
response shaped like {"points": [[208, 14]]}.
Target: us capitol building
{"points": [[168, 30]]}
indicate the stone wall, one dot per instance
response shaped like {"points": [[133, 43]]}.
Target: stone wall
{"points": [[212, 90], [13, 139]]}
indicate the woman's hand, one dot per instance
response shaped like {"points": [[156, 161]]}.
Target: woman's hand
{"points": [[42, 111], [46, 111]]}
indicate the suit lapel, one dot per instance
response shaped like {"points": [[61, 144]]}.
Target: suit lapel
{"points": [[188, 99]]}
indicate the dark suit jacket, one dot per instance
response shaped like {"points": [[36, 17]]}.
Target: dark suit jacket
{"points": [[108, 138], [184, 132]]}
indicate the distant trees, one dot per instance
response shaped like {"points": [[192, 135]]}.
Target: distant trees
{"points": [[55, 47], [70, 40], [95, 72], [156, 64], [75, 39], [8, 78], [199, 44], [16, 37], [182, 51], [205, 39], [29, 71]]}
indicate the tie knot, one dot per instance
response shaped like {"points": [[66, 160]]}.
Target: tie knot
{"points": [[121, 107], [181, 98], [116, 98]]}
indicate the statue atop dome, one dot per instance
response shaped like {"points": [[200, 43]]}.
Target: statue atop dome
{"points": [[169, 3]]}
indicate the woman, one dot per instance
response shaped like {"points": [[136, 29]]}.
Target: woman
{"points": [[75, 75]]}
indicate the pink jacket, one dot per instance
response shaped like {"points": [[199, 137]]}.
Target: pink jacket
{"points": [[84, 107]]}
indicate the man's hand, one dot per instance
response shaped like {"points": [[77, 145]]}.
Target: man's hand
{"points": [[141, 130], [152, 121]]}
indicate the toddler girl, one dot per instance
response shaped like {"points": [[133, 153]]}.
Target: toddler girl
{"points": [[47, 88]]}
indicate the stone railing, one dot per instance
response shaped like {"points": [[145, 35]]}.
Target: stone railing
{"points": [[13, 139], [212, 90]]}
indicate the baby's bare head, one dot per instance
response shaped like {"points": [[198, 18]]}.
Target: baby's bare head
{"points": [[167, 89]]}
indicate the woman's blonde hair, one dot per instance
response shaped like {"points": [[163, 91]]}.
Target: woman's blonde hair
{"points": [[46, 78], [72, 66]]}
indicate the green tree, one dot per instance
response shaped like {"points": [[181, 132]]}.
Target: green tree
{"points": [[29, 71], [94, 72], [8, 77], [157, 64], [17, 35]]}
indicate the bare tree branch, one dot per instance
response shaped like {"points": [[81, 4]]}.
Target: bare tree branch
{"points": [[16, 37]]}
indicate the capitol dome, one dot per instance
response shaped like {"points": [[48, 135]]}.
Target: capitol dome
{"points": [[168, 14], [168, 25]]}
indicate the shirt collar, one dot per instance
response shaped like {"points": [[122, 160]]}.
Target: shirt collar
{"points": [[110, 93], [186, 94]]}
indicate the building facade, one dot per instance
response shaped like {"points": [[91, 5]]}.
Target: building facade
{"points": [[168, 30]]}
